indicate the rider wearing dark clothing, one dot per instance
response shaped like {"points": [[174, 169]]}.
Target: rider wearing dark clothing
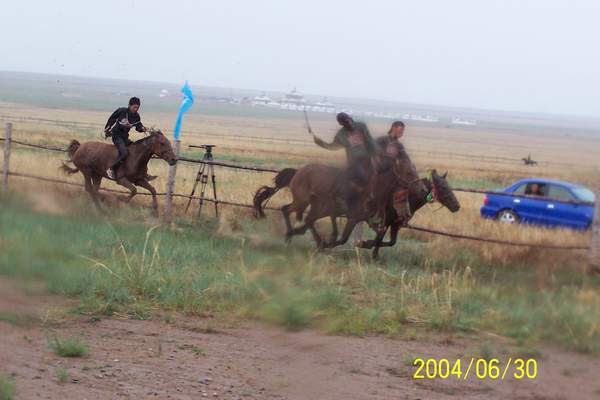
{"points": [[392, 154], [360, 148], [118, 126]]}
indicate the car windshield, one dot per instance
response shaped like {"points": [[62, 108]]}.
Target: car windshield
{"points": [[584, 194]]}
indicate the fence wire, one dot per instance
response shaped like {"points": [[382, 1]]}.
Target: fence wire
{"points": [[259, 169]]}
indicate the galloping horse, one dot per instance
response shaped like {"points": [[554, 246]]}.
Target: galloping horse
{"points": [[92, 159], [314, 185], [438, 190]]}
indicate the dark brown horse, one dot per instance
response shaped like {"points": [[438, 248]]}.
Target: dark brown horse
{"points": [[438, 189], [314, 185], [92, 159]]}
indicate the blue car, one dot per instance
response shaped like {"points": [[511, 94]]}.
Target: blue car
{"points": [[542, 202]]}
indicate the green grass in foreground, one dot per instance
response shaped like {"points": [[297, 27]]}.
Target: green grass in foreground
{"points": [[132, 269], [7, 387]]}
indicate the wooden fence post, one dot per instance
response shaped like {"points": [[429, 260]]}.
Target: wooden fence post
{"points": [[171, 185], [594, 252], [5, 165]]}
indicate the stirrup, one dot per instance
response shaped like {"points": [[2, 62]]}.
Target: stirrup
{"points": [[110, 174]]}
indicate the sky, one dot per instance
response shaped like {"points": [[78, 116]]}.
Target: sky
{"points": [[521, 55]]}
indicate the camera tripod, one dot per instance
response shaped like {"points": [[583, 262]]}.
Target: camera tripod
{"points": [[206, 170]]}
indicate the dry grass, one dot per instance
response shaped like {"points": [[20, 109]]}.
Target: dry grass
{"points": [[575, 159]]}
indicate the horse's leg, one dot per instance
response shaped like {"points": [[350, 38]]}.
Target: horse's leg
{"points": [[393, 237], [127, 184], [89, 187], [350, 224], [368, 244], [316, 212], [286, 211], [334, 229], [300, 212], [96, 181], [146, 185]]}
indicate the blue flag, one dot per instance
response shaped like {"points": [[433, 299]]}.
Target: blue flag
{"points": [[186, 104]]}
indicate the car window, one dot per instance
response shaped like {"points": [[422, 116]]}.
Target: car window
{"points": [[558, 192], [536, 189], [584, 194], [520, 189]]}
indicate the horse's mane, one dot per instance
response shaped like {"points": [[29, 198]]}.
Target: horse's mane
{"points": [[145, 139]]}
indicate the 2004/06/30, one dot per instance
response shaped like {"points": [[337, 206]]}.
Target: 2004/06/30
{"points": [[517, 368]]}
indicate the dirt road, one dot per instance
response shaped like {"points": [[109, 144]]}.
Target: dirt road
{"points": [[184, 359]]}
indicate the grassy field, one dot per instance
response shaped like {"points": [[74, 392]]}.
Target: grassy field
{"points": [[139, 270], [236, 267]]}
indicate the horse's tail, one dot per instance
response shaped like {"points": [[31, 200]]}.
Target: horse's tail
{"points": [[71, 149], [68, 170], [264, 193]]}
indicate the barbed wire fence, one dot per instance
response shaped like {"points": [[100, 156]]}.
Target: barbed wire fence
{"points": [[593, 248]]}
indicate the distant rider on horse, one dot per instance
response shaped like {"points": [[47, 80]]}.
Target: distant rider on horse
{"points": [[360, 147], [118, 126]]}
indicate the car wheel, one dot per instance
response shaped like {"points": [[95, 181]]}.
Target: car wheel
{"points": [[508, 216]]}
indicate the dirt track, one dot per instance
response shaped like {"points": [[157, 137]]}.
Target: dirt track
{"points": [[185, 360]]}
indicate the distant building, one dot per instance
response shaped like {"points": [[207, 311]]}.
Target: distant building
{"points": [[464, 122], [294, 101], [421, 118], [323, 106], [261, 100]]}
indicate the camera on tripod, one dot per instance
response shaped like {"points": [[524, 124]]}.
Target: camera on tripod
{"points": [[207, 147], [205, 175], [203, 146]]}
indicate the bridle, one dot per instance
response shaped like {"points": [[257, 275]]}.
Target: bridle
{"points": [[432, 196]]}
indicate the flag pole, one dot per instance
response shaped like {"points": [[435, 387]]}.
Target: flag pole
{"points": [[186, 104]]}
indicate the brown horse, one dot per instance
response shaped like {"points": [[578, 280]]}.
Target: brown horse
{"points": [[439, 190], [92, 159], [314, 185]]}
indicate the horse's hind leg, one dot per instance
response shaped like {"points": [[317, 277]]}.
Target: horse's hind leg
{"points": [[334, 229], [96, 181], [90, 188], [286, 211], [317, 211]]}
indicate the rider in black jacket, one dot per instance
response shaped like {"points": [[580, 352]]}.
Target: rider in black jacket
{"points": [[118, 126]]}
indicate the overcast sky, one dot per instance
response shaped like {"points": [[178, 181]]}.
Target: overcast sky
{"points": [[524, 55]]}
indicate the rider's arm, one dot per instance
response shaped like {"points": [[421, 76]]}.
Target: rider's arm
{"points": [[335, 145], [140, 127], [112, 119]]}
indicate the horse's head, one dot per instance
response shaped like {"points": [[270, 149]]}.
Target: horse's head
{"points": [[442, 192], [161, 147]]}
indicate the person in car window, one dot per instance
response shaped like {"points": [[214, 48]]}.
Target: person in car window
{"points": [[535, 189]]}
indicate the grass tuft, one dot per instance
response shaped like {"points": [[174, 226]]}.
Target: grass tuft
{"points": [[70, 347], [62, 374]]}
